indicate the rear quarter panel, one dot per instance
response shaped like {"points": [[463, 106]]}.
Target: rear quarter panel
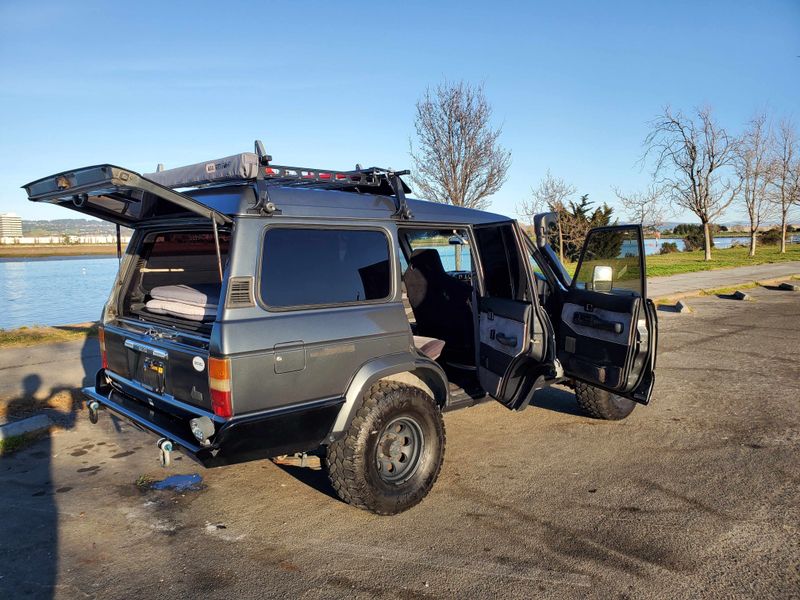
{"points": [[323, 348]]}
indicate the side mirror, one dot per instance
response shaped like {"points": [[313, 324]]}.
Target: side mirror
{"points": [[542, 224], [602, 278]]}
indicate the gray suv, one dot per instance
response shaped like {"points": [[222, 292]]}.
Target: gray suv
{"points": [[263, 310]]}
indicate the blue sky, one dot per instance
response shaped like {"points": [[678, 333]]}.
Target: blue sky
{"points": [[328, 85]]}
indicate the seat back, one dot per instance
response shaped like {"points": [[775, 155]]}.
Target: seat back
{"points": [[441, 304]]}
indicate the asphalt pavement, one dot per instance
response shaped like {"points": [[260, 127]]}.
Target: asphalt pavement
{"points": [[692, 496]]}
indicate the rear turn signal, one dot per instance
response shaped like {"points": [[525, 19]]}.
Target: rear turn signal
{"points": [[101, 336], [219, 381]]}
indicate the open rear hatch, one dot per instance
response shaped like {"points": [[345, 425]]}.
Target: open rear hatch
{"points": [[158, 360], [117, 195]]}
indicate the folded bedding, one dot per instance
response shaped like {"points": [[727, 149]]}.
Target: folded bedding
{"points": [[180, 309], [203, 295], [192, 302]]}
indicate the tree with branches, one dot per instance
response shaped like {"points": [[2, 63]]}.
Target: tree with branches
{"points": [[459, 159], [646, 207], [786, 174], [752, 163], [693, 156], [552, 195]]}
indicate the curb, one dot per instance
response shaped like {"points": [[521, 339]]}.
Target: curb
{"points": [[672, 298], [33, 424]]}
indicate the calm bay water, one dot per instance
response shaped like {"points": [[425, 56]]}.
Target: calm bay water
{"points": [[54, 291], [59, 291]]}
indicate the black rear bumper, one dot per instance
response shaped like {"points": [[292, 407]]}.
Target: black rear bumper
{"points": [[298, 428]]}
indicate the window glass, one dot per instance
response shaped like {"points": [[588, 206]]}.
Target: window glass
{"points": [[306, 267], [611, 261], [503, 274], [452, 246]]}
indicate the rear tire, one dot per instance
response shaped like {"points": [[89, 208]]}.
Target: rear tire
{"points": [[602, 404], [390, 456]]}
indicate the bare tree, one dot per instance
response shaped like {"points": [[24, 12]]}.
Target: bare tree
{"points": [[551, 195], [753, 169], [786, 174], [692, 158], [459, 160], [646, 207]]}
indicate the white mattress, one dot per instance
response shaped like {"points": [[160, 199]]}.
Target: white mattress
{"points": [[196, 303], [195, 295], [181, 309]]}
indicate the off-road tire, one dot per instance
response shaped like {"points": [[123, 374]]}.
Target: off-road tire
{"points": [[602, 404], [351, 460]]}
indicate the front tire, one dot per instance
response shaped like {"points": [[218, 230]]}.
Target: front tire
{"points": [[602, 404], [390, 456]]}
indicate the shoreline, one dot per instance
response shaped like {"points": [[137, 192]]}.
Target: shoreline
{"points": [[55, 250]]}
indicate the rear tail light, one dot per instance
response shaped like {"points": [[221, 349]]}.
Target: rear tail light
{"points": [[101, 336], [219, 381]]}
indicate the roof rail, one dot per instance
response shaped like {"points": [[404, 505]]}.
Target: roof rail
{"points": [[256, 166]]}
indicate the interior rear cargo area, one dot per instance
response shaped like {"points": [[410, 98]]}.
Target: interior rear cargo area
{"points": [[175, 278]]}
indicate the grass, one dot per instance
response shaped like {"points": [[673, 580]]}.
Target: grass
{"points": [[43, 250], [30, 336], [17, 442], [688, 262]]}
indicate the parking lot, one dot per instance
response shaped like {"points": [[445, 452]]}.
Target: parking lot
{"points": [[695, 495]]}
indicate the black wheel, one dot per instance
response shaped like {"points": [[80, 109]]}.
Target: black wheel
{"points": [[601, 404], [390, 457]]}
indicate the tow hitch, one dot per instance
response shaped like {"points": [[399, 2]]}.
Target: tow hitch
{"points": [[94, 410], [165, 447]]}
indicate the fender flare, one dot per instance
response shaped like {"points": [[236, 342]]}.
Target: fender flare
{"points": [[420, 367]]}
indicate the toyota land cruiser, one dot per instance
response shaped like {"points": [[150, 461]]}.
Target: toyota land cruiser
{"points": [[263, 310]]}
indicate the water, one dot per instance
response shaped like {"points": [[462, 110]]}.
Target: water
{"points": [[54, 291], [653, 246], [64, 290]]}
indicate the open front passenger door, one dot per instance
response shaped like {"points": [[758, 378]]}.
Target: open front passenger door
{"points": [[608, 331]]}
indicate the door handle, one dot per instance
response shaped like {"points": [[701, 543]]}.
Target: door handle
{"points": [[506, 340], [595, 322]]}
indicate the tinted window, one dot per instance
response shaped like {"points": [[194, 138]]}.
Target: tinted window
{"points": [[302, 267], [502, 272]]}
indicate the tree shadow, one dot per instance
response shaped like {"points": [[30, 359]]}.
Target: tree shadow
{"points": [[30, 530]]}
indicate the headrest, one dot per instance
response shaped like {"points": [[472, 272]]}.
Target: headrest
{"points": [[426, 260]]}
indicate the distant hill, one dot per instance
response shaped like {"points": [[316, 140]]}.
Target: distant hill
{"points": [[67, 227]]}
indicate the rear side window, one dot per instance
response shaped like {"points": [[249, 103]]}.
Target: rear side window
{"points": [[312, 267]]}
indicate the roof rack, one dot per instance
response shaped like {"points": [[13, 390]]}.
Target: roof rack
{"points": [[257, 167]]}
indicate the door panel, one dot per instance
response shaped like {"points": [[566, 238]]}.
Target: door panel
{"points": [[503, 327], [607, 332]]}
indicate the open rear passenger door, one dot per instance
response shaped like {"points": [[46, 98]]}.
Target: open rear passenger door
{"points": [[608, 332], [513, 335]]}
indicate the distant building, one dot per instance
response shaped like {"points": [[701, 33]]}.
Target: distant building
{"points": [[10, 225]]}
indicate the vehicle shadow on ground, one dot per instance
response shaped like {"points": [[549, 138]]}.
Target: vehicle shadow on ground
{"points": [[313, 474], [558, 400], [34, 516]]}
